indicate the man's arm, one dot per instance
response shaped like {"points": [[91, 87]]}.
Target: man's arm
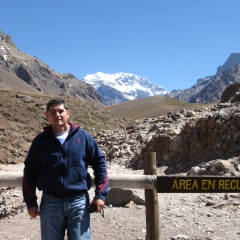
{"points": [[29, 178], [97, 160]]}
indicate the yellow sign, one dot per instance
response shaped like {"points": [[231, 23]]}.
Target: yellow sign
{"points": [[198, 184]]}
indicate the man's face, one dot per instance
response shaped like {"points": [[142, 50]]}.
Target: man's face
{"points": [[58, 116]]}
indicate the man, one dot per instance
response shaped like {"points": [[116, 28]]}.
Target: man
{"points": [[57, 164]]}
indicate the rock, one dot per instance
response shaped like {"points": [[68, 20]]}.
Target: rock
{"points": [[216, 167], [180, 237], [231, 94], [24, 98], [122, 197], [10, 202]]}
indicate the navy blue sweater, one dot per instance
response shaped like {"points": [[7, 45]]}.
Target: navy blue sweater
{"points": [[61, 170]]}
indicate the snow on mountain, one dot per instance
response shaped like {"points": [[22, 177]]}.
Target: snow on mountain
{"points": [[122, 87]]}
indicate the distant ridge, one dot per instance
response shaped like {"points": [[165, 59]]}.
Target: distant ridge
{"points": [[210, 88]]}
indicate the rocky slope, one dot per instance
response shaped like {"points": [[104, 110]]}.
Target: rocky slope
{"points": [[181, 139]]}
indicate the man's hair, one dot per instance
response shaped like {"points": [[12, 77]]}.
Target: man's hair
{"points": [[57, 101]]}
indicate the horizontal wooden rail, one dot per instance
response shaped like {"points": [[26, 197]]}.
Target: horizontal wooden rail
{"points": [[14, 179], [132, 181]]}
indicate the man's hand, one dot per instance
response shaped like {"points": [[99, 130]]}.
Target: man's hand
{"points": [[99, 204], [33, 212]]}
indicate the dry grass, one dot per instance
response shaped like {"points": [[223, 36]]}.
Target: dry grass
{"points": [[150, 107]]}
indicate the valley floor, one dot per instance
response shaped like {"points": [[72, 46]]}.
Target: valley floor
{"points": [[188, 216]]}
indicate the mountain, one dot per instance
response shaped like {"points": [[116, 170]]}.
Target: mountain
{"points": [[122, 87], [22, 72], [210, 89]]}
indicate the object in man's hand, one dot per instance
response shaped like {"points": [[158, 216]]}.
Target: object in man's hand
{"points": [[92, 209]]}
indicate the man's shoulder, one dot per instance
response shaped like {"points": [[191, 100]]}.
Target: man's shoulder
{"points": [[80, 130], [44, 133], [85, 132]]}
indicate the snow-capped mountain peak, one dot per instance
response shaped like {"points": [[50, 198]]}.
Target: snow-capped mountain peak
{"points": [[122, 87]]}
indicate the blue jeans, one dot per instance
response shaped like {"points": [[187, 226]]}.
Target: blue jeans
{"points": [[58, 215]]}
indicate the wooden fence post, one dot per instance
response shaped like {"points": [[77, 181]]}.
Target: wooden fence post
{"points": [[151, 199]]}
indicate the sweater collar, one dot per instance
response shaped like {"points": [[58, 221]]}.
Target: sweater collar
{"points": [[73, 127]]}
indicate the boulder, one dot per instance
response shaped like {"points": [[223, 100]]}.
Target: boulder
{"points": [[121, 197]]}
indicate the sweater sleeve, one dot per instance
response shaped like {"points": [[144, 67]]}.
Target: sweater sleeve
{"points": [[98, 162], [29, 177]]}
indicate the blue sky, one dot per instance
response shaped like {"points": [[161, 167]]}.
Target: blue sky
{"points": [[171, 42]]}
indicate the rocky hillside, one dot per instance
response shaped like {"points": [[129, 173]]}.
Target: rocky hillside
{"points": [[21, 72], [210, 89], [182, 139]]}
